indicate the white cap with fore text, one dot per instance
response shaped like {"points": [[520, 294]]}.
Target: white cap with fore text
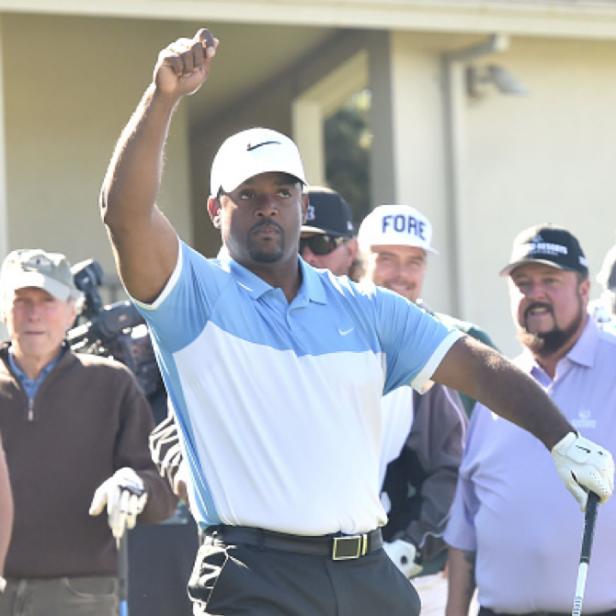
{"points": [[396, 225]]}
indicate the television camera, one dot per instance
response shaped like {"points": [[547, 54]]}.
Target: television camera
{"points": [[116, 330]]}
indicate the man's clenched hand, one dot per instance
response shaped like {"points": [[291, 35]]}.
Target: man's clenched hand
{"points": [[184, 65]]}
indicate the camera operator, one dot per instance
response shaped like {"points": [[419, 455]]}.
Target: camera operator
{"points": [[75, 430]]}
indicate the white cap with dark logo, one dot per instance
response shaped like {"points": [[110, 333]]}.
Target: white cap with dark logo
{"points": [[396, 225], [251, 152], [550, 245], [36, 268]]}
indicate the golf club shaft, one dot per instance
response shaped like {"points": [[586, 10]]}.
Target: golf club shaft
{"points": [[123, 573], [589, 533]]}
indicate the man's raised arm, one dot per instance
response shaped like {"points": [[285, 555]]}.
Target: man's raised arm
{"points": [[144, 242], [482, 373]]}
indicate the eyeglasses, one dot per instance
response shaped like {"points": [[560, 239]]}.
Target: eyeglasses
{"points": [[321, 244]]}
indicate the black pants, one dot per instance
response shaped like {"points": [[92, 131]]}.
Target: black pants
{"points": [[486, 611], [161, 558], [249, 580]]}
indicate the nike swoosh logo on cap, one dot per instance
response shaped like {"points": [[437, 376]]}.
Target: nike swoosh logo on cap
{"points": [[251, 147]]}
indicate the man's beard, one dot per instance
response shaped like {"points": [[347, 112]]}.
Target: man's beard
{"points": [[545, 344], [273, 252]]}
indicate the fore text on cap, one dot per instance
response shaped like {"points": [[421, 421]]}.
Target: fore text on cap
{"points": [[401, 223]]}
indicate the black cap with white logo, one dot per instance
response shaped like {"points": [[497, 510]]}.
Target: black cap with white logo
{"points": [[550, 245], [328, 213]]}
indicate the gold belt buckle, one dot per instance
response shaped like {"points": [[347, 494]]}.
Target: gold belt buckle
{"points": [[349, 548]]}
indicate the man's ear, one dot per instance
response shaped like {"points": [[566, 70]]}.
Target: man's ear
{"points": [[305, 202], [584, 289], [213, 208], [352, 248]]}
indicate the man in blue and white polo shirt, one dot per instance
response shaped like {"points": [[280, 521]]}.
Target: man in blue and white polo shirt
{"points": [[276, 373]]}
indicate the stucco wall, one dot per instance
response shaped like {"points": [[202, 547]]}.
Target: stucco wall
{"points": [[548, 156], [71, 85]]}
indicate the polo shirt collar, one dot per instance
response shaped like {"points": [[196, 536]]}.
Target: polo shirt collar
{"points": [[582, 353], [311, 289], [584, 350], [31, 386], [311, 284]]}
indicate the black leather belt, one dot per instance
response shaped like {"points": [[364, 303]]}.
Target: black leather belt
{"points": [[336, 547]]}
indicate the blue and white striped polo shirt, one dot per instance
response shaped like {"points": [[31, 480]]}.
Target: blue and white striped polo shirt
{"points": [[279, 404]]}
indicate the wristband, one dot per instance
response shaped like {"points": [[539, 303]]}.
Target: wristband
{"points": [[2, 584]]}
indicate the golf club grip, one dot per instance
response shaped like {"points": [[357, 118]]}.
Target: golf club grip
{"points": [[589, 527]]}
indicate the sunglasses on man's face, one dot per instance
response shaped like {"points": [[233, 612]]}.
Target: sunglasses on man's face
{"points": [[321, 244]]}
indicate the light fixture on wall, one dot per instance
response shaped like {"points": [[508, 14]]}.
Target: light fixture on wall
{"points": [[480, 78]]}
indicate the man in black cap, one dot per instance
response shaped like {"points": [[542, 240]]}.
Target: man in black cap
{"points": [[327, 237], [504, 537]]}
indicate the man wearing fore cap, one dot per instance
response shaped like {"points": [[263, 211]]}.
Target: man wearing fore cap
{"points": [[504, 536], [275, 371], [395, 241], [75, 431]]}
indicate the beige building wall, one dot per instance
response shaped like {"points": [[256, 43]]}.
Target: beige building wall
{"points": [[70, 86], [522, 160], [71, 83], [420, 155], [548, 156]]}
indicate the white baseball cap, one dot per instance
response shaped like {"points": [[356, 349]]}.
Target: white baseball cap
{"points": [[251, 152], [396, 225]]}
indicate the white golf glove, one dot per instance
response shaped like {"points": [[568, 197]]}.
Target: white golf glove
{"points": [[584, 466], [403, 555], [125, 497]]}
